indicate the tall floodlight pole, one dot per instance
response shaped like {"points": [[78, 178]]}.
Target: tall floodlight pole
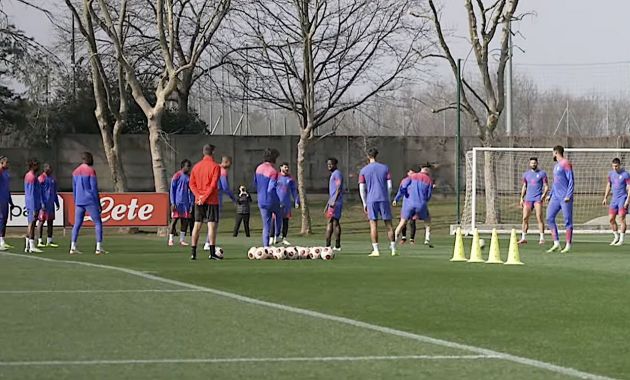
{"points": [[508, 103], [458, 145]]}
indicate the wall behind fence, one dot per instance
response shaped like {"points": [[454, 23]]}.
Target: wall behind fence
{"points": [[399, 153]]}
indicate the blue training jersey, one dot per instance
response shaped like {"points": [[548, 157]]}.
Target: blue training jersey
{"points": [[85, 186], [375, 176], [180, 194], [49, 190], [287, 191], [266, 183], [335, 184], [32, 192], [416, 189], [619, 183], [535, 182], [5, 189], [563, 181], [224, 186], [402, 189]]}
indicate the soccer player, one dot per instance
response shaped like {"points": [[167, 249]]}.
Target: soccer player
{"points": [[288, 194], [266, 183], [6, 202], [375, 186], [204, 183], [334, 206], [34, 204], [86, 199], [619, 184], [417, 189], [397, 199], [533, 192], [182, 201], [561, 198], [51, 204]]}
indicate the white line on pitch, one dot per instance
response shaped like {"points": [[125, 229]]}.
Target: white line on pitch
{"points": [[90, 291], [246, 360], [352, 322]]}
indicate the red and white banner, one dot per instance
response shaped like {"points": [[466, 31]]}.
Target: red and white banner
{"points": [[125, 210]]}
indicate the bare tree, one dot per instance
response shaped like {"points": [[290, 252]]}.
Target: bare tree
{"points": [[319, 59], [170, 68], [483, 23], [103, 93]]}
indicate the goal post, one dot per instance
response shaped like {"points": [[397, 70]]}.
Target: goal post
{"points": [[493, 202]]}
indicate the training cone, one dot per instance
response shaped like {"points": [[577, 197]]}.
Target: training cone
{"points": [[458, 250], [475, 249], [495, 252], [514, 257]]}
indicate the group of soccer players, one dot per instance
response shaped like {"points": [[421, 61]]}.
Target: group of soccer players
{"points": [[196, 192], [535, 191], [42, 200]]}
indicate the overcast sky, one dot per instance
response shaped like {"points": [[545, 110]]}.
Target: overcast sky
{"points": [[560, 32]]}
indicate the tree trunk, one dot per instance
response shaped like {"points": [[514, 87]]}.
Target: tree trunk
{"points": [[183, 97], [110, 146], [301, 152], [490, 182], [112, 153], [154, 124]]}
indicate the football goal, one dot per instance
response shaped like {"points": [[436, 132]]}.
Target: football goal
{"points": [[494, 181]]}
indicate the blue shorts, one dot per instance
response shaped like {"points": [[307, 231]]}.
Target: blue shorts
{"points": [[182, 211], [413, 212], [379, 210], [32, 215], [617, 207], [529, 204], [334, 212], [47, 214], [285, 211]]}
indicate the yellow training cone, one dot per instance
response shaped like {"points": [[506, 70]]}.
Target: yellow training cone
{"points": [[495, 252], [514, 258], [458, 250], [475, 249]]}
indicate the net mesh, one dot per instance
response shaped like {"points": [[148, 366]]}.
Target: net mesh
{"points": [[590, 170]]}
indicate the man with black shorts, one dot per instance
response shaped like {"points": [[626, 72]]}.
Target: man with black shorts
{"points": [[204, 184]]}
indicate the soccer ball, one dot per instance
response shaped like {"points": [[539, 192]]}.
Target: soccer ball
{"points": [[314, 253], [279, 253], [251, 253], [260, 253], [219, 252], [482, 243], [303, 253], [292, 253], [327, 253]]}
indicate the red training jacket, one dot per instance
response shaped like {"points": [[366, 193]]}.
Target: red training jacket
{"points": [[204, 181]]}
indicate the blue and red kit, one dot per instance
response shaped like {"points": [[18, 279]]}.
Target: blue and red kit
{"points": [[561, 199], [86, 200], [180, 196], [287, 194], [266, 183], [50, 197]]}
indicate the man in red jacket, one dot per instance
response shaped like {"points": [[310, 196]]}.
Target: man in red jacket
{"points": [[204, 184]]}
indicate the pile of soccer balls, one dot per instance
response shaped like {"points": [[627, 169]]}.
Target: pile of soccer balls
{"points": [[290, 253]]}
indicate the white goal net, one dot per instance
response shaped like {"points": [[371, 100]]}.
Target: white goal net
{"points": [[494, 176]]}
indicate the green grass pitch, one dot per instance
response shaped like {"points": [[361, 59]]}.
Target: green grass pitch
{"points": [[157, 315]]}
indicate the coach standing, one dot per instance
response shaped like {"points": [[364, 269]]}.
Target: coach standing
{"points": [[204, 183]]}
